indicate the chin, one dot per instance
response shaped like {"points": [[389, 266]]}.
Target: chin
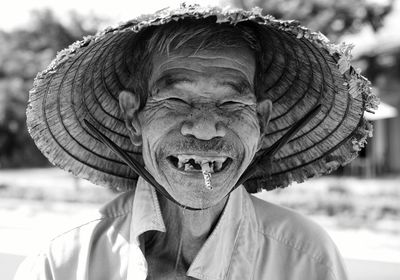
{"points": [[188, 187]]}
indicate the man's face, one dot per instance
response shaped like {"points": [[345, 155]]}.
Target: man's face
{"points": [[201, 112]]}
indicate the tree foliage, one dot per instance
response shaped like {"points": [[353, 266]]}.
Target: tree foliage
{"points": [[23, 53], [334, 18]]}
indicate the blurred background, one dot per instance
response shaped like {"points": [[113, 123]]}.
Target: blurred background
{"points": [[359, 205]]}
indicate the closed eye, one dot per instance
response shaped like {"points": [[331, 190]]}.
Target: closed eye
{"points": [[176, 100], [230, 103]]}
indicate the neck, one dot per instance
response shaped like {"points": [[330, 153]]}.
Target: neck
{"points": [[191, 224], [187, 230]]}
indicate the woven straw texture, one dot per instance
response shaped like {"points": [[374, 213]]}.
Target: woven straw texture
{"points": [[302, 69]]}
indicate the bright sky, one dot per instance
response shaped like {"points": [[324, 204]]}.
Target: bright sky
{"points": [[16, 13]]}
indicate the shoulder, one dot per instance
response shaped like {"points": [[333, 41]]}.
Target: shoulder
{"points": [[113, 220], [109, 214], [297, 238], [107, 234], [287, 225]]}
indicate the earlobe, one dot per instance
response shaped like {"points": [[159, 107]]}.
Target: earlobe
{"points": [[264, 112], [129, 104]]}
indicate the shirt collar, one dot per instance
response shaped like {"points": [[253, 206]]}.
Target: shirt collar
{"points": [[146, 213], [228, 243]]}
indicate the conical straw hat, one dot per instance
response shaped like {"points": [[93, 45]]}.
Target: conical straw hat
{"points": [[301, 69]]}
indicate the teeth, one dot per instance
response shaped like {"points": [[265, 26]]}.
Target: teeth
{"points": [[217, 165], [207, 167], [188, 167], [214, 163]]}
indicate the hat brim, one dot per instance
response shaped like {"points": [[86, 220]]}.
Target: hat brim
{"points": [[302, 69]]}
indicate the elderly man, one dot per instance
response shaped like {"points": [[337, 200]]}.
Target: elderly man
{"points": [[206, 106]]}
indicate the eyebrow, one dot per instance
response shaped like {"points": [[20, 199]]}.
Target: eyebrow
{"points": [[240, 86], [170, 80]]}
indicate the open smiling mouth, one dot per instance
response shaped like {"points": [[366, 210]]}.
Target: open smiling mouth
{"points": [[194, 163]]}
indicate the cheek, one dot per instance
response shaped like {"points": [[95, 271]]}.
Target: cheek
{"points": [[246, 125], [157, 122], [248, 131]]}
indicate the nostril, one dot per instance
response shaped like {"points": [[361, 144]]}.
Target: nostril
{"points": [[220, 128], [187, 128]]}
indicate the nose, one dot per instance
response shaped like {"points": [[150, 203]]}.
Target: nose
{"points": [[204, 127]]}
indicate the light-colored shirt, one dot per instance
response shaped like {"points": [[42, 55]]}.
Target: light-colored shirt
{"points": [[253, 239]]}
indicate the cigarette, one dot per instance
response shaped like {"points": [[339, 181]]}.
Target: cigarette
{"points": [[206, 170]]}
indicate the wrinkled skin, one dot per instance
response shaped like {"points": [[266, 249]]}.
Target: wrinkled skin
{"points": [[200, 104]]}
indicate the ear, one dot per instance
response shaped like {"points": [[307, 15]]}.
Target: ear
{"points": [[264, 112], [129, 104]]}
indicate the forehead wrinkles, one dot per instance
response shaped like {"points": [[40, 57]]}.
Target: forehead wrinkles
{"points": [[234, 61]]}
